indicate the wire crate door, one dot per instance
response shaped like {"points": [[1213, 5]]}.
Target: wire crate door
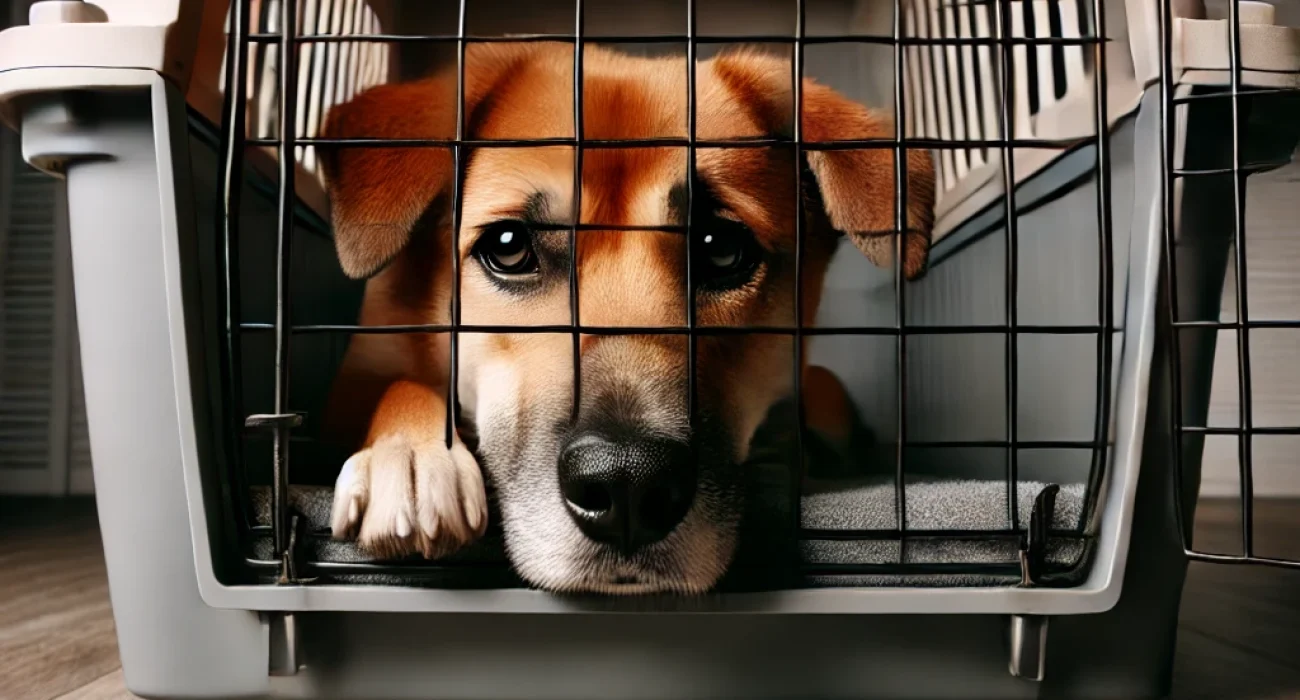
{"points": [[1229, 87]]}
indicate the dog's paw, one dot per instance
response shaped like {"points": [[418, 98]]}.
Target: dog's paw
{"points": [[400, 497]]}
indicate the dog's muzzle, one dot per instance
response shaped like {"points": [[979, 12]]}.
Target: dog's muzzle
{"points": [[628, 492]]}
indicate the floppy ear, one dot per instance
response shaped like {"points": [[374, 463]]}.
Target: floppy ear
{"points": [[856, 185], [377, 194]]}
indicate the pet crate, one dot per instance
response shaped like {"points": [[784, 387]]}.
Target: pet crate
{"points": [[1035, 402]]}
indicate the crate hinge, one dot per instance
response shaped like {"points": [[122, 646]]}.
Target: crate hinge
{"points": [[288, 554]]}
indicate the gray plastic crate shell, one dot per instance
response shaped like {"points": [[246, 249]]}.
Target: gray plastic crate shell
{"points": [[140, 189]]}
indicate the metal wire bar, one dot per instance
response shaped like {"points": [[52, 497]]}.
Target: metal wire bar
{"points": [[1238, 325], [822, 535], [1244, 443], [845, 535], [1023, 444], [457, 184], [265, 37], [252, 434], [1105, 270], [1007, 568], [1253, 430], [692, 393], [796, 77], [901, 226], [670, 142], [835, 535], [575, 319], [1254, 92], [1247, 169], [1243, 560], [496, 571], [232, 190], [629, 228], [379, 568], [683, 330], [1170, 265], [1005, 65], [283, 269]]}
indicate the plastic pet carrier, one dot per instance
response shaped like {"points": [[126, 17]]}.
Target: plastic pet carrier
{"points": [[1027, 417]]}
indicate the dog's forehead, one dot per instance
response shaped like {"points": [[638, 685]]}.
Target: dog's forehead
{"points": [[623, 187], [625, 98]]}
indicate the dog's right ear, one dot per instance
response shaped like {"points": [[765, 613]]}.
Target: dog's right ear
{"points": [[377, 194], [856, 185]]}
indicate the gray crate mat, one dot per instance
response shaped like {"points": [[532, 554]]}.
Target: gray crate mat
{"points": [[853, 505]]}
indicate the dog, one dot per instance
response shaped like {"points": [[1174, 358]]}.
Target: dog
{"points": [[618, 494]]}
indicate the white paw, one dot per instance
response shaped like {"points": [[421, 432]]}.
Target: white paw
{"points": [[398, 498]]}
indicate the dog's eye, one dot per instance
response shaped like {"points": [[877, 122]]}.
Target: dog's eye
{"points": [[506, 248], [725, 253]]}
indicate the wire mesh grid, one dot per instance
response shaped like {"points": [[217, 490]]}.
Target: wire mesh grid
{"points": [[1004, 42], [1180, 322]]}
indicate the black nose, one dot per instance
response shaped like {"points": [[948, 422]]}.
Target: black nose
{"points": [[627, 494]]}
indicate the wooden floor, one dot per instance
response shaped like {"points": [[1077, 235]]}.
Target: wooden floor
{"points": [[56, 628], [1239, 636]]}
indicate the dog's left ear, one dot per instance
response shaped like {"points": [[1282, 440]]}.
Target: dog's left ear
{"points": [[857, 186], [377, 194]]}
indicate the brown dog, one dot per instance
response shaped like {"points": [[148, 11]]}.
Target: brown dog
{"points": [[623, 497]]}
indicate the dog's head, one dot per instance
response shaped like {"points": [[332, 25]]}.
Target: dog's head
{"points": [[620, 495]]}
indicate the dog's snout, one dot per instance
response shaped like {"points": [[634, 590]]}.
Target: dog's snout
{"points": [[627, 493]]}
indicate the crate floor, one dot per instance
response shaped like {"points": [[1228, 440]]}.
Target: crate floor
{"points": [[1238, 630], [953, 507]]}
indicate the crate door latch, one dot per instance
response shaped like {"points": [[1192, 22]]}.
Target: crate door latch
{"points": [[1028, 634]]}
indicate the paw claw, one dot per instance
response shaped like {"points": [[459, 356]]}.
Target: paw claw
{"points": [[473, 517], [400, 497], [350, 489], [429, 527]]}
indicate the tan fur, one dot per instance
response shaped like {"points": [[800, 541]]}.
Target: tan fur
{"points": [[392, 221]]}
